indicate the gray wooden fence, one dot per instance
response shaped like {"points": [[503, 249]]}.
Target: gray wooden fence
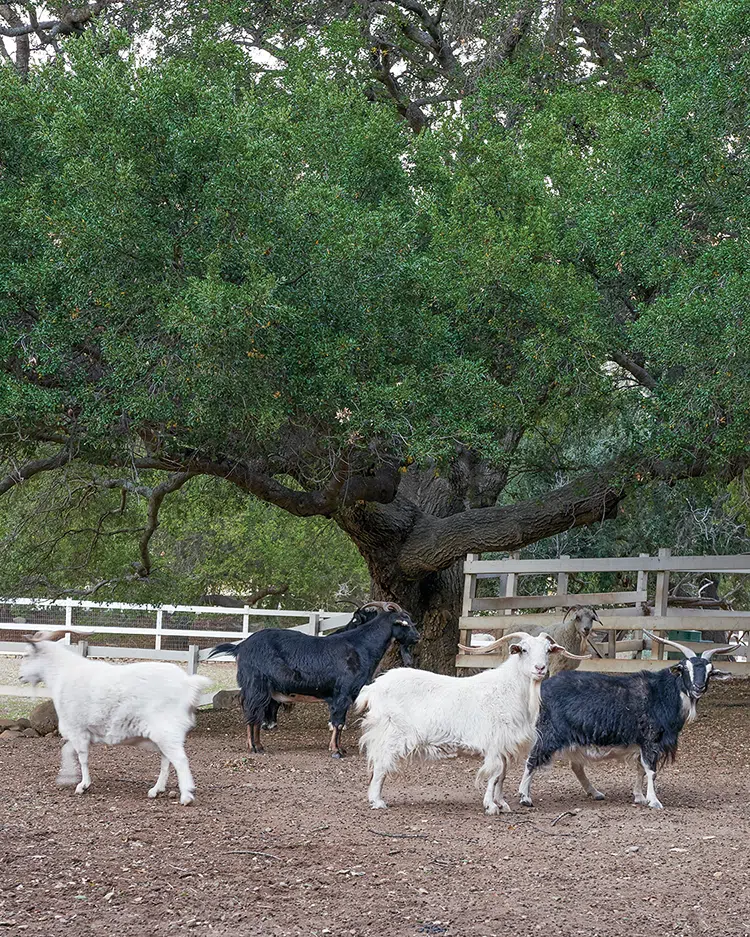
{"points": [[623, 611]]}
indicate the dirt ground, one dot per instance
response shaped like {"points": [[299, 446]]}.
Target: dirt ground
{"points": [[285, 844]]}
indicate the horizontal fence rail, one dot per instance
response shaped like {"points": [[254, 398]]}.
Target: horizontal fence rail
{"points": [[617, 643], [178, 633]]}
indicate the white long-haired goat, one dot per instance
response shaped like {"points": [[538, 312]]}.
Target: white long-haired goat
{"points": [[147, 704], [493, 714]]}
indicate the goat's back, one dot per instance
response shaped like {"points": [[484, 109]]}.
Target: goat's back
{"points": [[582, 708], [117, 701]]}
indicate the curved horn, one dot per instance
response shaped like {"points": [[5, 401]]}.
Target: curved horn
{"points": [[489, 648], [51, 635], [684, 650], [386, 606], [707, 655], [566, 653]]}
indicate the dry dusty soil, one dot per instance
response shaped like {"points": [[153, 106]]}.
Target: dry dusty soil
{"points": [[284, 843]]}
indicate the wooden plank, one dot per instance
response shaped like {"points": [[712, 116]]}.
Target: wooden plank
{"points": [[470, 591], [557, 601], [39, 693], [642, 586], [622, 665], [134, 653], [511, 583], [661, 598], [562, 579], [618, 665], [617, 621], [738, 563]]}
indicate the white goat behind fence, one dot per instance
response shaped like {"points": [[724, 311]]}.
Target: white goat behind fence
{"points": [[151, 705]]}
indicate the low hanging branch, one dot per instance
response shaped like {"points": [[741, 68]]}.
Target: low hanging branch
{"points": [[240, 601]]}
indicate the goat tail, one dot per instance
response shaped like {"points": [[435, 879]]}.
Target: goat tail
{"points": [[362, 702], [197, 685], [224, 649]]}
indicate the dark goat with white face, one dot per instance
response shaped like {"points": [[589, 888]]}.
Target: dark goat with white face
{"points": [[595, 716]]}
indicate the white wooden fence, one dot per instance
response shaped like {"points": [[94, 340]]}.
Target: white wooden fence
{"points": [[632, 614], [159, 624]]}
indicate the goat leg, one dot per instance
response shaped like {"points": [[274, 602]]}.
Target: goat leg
{"points": [[253, 739], [334, 746]]}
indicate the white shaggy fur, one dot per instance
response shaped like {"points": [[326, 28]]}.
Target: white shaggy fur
{"points": [[149, 704], [493, 714]]}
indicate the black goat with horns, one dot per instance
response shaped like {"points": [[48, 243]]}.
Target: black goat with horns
{"points": [[277, 666], [639, 716]]}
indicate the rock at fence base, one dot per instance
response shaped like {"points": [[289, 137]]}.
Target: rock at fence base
{"points": [[23, 723], [10, 734], [44, 718], [227, 699], [29, 733], [8, 724]]}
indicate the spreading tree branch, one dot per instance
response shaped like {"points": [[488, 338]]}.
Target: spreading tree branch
{"points": [[640, 374], [435, 543], [24, 472], [239, 601]]}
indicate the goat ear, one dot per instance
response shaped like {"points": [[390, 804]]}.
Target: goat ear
{"points": [[515, 648], [32, 641]]}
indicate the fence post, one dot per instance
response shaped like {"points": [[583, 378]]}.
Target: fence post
{"points": [[315, 622], [661, 599], [245, 621], [511, 584], [641, 586], [68, 619], [193, 650], [470, 590], [562, 579], [83, 648], [157, 637]]}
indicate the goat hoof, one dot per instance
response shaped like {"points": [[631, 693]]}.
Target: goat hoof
{"points": [[655, 805], [337, 754], [640, 800], [155, 791], [494, 809], [378, 804], [526, 802], [82, 788], [257, 751], [65, 780], [596, 795], [187, 798]]}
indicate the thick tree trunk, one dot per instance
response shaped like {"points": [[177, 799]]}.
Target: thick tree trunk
{"points": [[435, 605], [414, 545]]}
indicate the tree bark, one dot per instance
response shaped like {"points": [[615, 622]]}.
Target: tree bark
{"points": [[415, 545]]}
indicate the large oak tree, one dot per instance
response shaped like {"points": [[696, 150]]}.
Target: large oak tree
{"points": [[382, 270]]}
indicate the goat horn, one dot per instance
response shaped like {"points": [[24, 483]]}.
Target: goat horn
{"points": [[707, 655], [51, 635], [680, 647], [387, 606], [488, 648], [566, 653]]}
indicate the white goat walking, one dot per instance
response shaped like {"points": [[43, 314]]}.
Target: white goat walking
{"points": [[493, 714], [151, 705]]}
